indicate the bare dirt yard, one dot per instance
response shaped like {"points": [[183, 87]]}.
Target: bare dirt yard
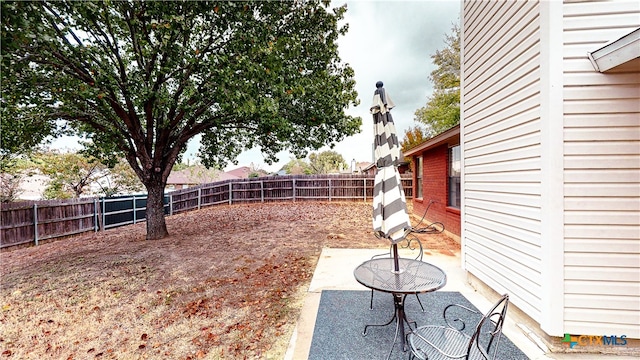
{"points": [[228, 283]]}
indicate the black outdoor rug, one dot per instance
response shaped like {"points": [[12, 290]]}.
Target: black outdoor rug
{"points": [[342, 316]]}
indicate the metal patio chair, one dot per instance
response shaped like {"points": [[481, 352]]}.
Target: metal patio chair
{"points": [[436, 342], [412, 243]]}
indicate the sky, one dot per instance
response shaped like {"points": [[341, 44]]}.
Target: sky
{"points": [[390, 41]]}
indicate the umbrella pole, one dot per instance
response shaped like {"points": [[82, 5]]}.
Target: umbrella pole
{"points": [[396, 265]]}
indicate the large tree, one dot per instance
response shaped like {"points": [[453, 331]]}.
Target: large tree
{"points": [[297, 167], [413, 137], [142, 78], [442, 110], [70, 174], [326, 162]]}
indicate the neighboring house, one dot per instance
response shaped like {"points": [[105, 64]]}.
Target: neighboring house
{"points": [[551, 161], [403, 168], [32, 187], [360, 167], [365, 167], [179, 180], [240, 173], [243, 172], [370, 168], [436, 179], [195, 175]]}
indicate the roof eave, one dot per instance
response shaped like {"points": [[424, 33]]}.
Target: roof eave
{"points": [[434, 141], [616, 53]]}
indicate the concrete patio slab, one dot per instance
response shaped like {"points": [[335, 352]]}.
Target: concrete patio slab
{"points": [[334, 271]]}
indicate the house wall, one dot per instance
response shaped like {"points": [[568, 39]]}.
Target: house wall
{"points": [[601, 175], [551, 163], [502, 154], [435, 190]]}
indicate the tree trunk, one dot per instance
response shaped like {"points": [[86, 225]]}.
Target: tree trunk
{"points": [[156, 225]]}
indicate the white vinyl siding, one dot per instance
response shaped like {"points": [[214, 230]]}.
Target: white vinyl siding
{"points": [[502, 149], [551, 163], [602, 175]]}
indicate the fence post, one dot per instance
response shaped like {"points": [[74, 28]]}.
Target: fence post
{"points": [[364, 189], [293, 187], [95, 215], [262, 191], [35, 223], [329, 189], [230, 193], [104, 216], [134, 209], [171, 204], [199, 198]]}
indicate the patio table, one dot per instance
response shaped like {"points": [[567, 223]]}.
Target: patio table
{"points": [[413, 277]]}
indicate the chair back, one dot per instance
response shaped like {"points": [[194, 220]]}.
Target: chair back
{"points": [[486, 338], [411, 247]]}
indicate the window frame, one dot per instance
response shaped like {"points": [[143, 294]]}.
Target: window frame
{"points": [[419, 175], [454, 193]]}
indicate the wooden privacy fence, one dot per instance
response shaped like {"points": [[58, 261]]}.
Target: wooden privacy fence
{"points": [[279, 188], [35, 221]]}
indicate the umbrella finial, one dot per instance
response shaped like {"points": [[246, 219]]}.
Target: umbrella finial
{"points": [[381, 101]]}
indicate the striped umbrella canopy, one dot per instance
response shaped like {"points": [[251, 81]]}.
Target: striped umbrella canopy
{"points": [[390, 216]]}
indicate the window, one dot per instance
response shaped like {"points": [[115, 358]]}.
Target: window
{"points": [[418, 185], [454, 177]]}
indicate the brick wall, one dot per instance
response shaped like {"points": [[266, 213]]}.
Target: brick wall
{"points": [[434, 180]]}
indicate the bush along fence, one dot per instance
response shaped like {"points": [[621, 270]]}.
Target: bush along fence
{"points": [[35, 221]]}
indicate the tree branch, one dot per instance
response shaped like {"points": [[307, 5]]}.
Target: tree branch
{"points": [[132, 115], [65, 59], [134, 38]]}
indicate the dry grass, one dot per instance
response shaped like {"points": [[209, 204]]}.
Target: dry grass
{"points": [[227, 284]]}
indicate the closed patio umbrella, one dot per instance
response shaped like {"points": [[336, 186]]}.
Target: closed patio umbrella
{"points": [[390, 216]]}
